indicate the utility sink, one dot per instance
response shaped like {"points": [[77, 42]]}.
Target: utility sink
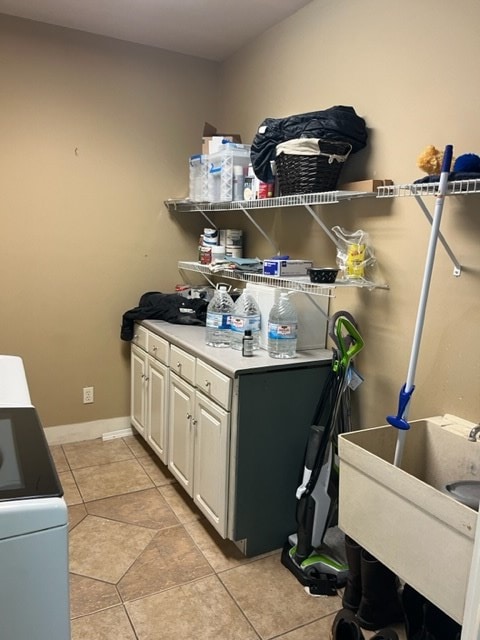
{"points": [[404, 516]]}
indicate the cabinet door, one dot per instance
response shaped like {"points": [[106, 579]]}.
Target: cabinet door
{"points": [[212, 437], [180, 431], [157, 390], [138, 367]]}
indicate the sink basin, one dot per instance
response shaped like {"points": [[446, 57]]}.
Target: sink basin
{"points": [[404, 516]]}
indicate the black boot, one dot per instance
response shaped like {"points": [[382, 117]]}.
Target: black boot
{"points": [[380, 603], [353, 589], [345, 627], [425, 621], [414, 611], [385, 634]]}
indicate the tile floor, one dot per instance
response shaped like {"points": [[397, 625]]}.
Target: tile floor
{"points": [[145, 564]]}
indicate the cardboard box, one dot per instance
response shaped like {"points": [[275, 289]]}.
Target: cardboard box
{"points": [[281, 268], [369, 186], [403, 515], [212, 139]]}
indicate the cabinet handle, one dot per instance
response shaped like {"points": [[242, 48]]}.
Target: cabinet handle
{"points": [[143, 376], [179, 365], [189, 416], [146, 379], [154, 349], [208, 384], [194, 422]]}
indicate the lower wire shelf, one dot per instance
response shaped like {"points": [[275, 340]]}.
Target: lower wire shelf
{"points": [[300, 283]]}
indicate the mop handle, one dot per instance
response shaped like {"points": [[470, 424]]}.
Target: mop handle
{"points": [[422, 305]]}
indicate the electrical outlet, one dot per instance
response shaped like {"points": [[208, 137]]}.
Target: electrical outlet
{"points": [[87, 395]]}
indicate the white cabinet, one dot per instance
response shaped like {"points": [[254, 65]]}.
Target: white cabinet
{"points": [[232, 435], [149, 379], [157, 388], [180, 423], [199, 433], [211, 457]]}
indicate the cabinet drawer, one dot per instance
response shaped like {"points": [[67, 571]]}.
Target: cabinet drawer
{"points": [[158, 347], [213, 384], [140, 337], [182, 363]]}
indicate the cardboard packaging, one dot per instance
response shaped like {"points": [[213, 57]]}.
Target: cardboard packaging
{"points": [[369, 186], [212, 139], [281, 268]]}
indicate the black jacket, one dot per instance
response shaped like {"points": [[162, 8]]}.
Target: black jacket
{"points": [[170, 307], [336, 123]]}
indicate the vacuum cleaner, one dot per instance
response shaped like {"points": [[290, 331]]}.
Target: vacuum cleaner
{"points": [[306, 554]]}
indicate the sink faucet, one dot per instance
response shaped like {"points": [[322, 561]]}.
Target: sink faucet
{"points": [[472, 436]]}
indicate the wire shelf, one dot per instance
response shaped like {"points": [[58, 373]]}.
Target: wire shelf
{"points": [[298, 200], [455, 187], [300, 283]]}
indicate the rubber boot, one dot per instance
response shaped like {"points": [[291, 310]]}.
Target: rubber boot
{"points": [[414, 611], [380, 604], [385, 634], [425, 621], [353, 589], [345, 627]]}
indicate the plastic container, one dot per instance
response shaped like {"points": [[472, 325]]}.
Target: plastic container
{"points": [[221, 167], [198, 178], [210, 236], [238, 182], [282, 328], [247, 344], [245, 316], [218, 253], [219, 311], [231, 237]]}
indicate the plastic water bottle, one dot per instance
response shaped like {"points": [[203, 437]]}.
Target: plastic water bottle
{"points": [[282, 329], [245, 316], [219, 311]]}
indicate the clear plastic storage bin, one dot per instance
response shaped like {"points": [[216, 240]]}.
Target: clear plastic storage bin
{"points": [[198, 178], [221, 170]]}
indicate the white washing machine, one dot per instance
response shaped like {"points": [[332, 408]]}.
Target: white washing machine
{"points": [[34, 595]]}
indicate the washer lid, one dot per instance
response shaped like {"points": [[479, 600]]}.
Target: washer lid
{"points": [[26, 466]]}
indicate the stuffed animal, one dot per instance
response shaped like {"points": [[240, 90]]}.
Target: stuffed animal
{"points": [[430, 160]]}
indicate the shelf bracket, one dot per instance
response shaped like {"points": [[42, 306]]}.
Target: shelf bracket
{"points": [[457, 267], [212, 224], [317, 306], [259, 228], [320, 222], [204, 274]]}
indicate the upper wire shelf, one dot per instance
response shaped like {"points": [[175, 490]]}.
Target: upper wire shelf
{"points": [[455, 187], [298, 200]]}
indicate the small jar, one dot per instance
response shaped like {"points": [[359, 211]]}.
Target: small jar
{"points": [[218, 252]]}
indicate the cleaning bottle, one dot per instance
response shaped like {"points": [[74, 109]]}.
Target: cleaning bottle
{"points": [[282, 328], [219, 310], [245, 315]]}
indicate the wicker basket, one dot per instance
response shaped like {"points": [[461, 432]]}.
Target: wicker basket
{"points": [[312, 173]]}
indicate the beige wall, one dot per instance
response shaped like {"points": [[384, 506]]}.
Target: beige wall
{"points": [[95, 135], [409, 69]]}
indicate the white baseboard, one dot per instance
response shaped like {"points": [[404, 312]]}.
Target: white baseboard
{"points": [[106, 429]]}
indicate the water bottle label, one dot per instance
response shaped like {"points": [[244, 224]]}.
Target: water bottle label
{"points": [[218, 320], [282, 331], [240, 324]]}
